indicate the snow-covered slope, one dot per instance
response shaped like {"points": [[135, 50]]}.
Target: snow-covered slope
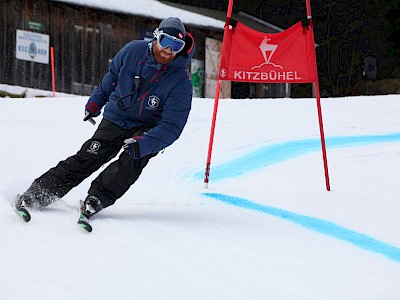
{"points": [[265, 229]]}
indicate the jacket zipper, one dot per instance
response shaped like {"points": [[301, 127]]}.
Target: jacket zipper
{"points": [[148, 83]]}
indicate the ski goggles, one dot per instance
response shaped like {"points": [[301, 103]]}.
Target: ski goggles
{"points": [[165, 40]]}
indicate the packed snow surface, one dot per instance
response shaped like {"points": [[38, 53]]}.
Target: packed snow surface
{"points": [[266, 228]]}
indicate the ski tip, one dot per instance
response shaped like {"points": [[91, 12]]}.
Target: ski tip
{"points": [[24, 214], [83, 221], [85, 226], [19, 206]]}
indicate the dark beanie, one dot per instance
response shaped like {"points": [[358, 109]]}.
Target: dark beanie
{"points": [[174, 27]]}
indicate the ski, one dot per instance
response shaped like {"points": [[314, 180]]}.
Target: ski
{"points": [[83, 221], [21, 210], [23, 213]]}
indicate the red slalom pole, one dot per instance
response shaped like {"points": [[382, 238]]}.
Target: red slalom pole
{"points": [[214, 117], [321, 131], [210, 144], [53, 79], [321, 124]]}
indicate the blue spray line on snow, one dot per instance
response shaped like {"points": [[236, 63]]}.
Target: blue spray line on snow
{"points": [[274, 154], [322, 226]]}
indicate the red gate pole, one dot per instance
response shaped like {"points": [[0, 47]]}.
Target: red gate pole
{"points": [[321, 124], [53, 79], [321, 131], [214, 117], [210, 144]]}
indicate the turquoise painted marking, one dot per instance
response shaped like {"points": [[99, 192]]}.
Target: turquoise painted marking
{"points": [[325, 227], [274, 154]]}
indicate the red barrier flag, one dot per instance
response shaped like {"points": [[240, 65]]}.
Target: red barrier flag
{"points": [[252, 56]]}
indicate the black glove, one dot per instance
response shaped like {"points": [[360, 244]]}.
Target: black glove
{"points": [[131, 146]]}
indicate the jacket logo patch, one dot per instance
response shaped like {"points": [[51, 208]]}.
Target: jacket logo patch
{"points": [[94, 147], [153, 102]]}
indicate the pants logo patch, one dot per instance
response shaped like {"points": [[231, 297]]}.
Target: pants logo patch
{"points": [[94, 147]]}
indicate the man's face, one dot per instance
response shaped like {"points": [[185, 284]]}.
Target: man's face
{"points": [[162, 56]]}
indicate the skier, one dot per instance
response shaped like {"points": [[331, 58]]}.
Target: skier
{"points": [[146, 95]]}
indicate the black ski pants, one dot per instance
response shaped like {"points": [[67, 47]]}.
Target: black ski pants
{"points": [[111, 183]]}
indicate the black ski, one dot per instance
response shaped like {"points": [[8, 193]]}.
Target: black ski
{"points": [[21, 210], [83, 221], [24, 214]]}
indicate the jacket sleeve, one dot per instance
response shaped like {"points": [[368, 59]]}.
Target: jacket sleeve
{"points": [[173, 119]]}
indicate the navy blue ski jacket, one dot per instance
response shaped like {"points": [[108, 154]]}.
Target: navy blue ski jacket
{"points": [[160, 102]]}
